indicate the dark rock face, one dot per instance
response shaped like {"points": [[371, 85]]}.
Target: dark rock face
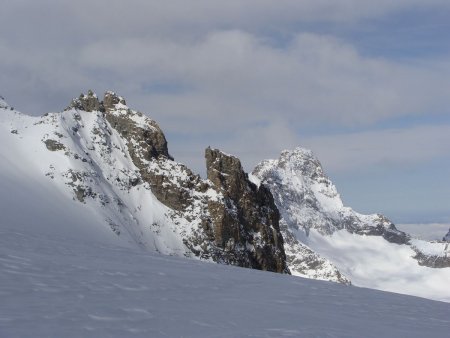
{"points": [[151, 139], [54, 145], [249, 214], [432, 261], [226, 173], [383, 227], [173, 191], [111, 99]]}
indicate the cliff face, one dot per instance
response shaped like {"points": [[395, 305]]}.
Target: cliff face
{"points": [[248, 217]]}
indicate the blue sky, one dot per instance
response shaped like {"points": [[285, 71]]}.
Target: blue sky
{"points": [[363, 84]]}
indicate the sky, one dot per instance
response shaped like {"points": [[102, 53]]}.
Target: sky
{"points": [[364, 84]]}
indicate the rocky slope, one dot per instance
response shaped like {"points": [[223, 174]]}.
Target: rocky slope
{"points": [[308, 201], [115, 159]]}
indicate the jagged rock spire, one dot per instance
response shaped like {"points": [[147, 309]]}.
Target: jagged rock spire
{"points": [[248, 210]]}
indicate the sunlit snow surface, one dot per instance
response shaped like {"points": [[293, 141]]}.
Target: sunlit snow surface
{"points": [[64, 287]]}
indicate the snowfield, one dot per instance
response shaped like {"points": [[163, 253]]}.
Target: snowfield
{"points": [[63, 287]]}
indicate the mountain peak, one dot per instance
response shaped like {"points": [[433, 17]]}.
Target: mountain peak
{"points": [[89, 102], [302, 160], [298, 152], [111, 100]]}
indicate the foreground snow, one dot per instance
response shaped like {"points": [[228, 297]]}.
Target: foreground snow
{"points": [[63, 287]]}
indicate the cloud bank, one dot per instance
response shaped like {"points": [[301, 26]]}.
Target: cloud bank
{"points": [[250, 77]]}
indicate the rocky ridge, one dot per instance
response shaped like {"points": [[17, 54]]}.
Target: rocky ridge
{"points": [[226, 218]]}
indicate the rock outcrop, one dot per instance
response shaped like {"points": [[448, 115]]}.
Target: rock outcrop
{"points": [[248, 216], [87, 102], [432, 260]]}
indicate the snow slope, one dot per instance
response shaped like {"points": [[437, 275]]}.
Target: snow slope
{"points": [[53, 286], [28, 201], [45, 185]]}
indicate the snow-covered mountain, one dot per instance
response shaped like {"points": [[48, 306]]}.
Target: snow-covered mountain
{"points": [[103, 171], [112, 164], [342, 244]]}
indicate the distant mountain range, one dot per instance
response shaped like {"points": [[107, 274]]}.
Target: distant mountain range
{"points": [[101, 169]]}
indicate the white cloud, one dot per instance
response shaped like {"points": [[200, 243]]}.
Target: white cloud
{"points": [[230, 75], [181, 18], [246, 76], [243, 94], [214, 81], [381, 148]]}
